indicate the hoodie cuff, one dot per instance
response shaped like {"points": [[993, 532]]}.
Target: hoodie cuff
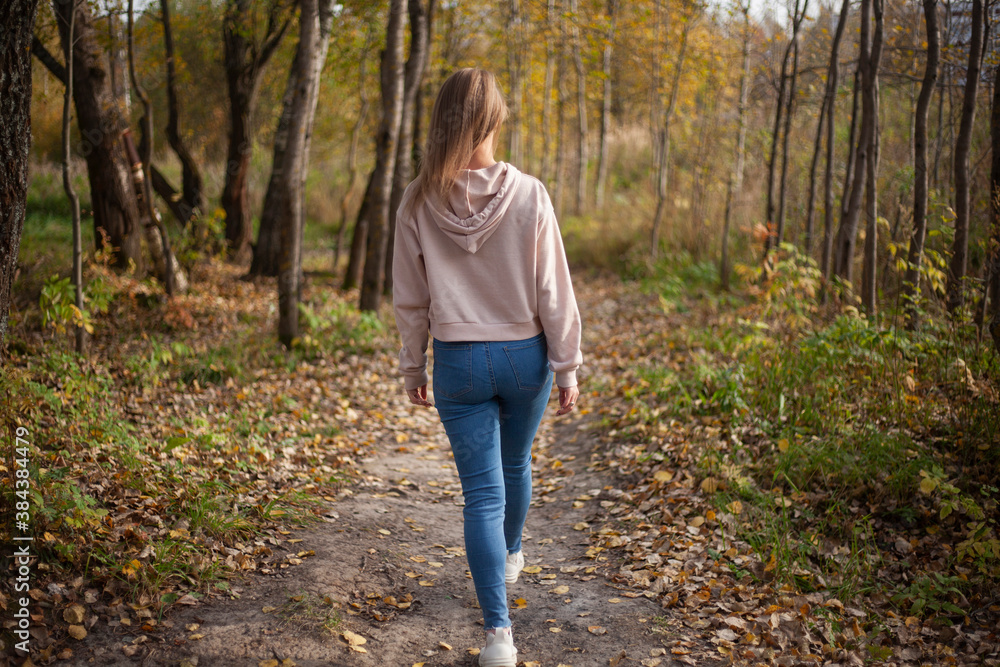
{"points": [[414, 381], [566, 379]]}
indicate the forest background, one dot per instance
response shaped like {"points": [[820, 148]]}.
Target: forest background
{"points": [[804, 190]]}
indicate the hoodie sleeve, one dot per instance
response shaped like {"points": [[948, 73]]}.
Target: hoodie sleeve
{"points": [[410, 302], [557, 307]]}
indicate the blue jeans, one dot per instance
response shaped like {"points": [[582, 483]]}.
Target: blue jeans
{"points": [[491, 396]]}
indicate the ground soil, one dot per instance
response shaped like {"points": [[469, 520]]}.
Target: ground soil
{"points": [[399, 530]]}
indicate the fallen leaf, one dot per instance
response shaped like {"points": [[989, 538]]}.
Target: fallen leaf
{"points": [[560, 590], [77, 632], [597, 629], [74, 614]]}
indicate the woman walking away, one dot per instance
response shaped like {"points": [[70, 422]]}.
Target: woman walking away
{"points": [[479, 264]]}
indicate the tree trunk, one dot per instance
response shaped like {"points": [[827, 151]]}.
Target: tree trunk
{"points": [[911, 282], [825, 112], [191, 179], [267, 250], [359, 239], [550, 66], [735, 185], [789, 113], [80, 332], [960, 247], [18, 19], [871, 101], [993, 275], [514, 73], [772, 160], [664, 150], [101, 123], [602, 159], [353, 177], [848, 232], [403, 173], [244, 63], [560, 168], [393, 88], [581, 112], [156, 236], [833, 83], [315, 23]]}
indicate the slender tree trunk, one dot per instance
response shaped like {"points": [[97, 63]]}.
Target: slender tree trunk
{"points": [[789, 112], [825, 116], [315, 23], [101, 123], [244, 63], [960, 247], [833, 83], [191, 178], [353, 177], [359, 239], [514, 72], [267, 250], [664, 150], [550, 67], [911, 282], [156, 236], [403, 173], [393, 88], [735, 185], [18, 19], [871, 100], [602, 160], [848, 232], [80, 333], [775, 239], [770, 217], [560, 170], [852, 143], [581, 111], [993, 274], [422, 94]]}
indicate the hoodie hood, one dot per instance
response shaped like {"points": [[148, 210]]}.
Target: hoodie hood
{"points": [[475, 205]]}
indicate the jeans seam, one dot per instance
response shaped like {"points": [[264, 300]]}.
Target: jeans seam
{"points": [[489, 366]]}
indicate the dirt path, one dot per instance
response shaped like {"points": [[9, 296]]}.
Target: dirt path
{"points": [[389, 566]]}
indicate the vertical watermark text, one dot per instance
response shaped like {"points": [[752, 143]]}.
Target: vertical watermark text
{"points": [[22, 536]]}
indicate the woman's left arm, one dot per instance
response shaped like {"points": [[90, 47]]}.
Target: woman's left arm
{"points": [[557, 307], [411, 303]]}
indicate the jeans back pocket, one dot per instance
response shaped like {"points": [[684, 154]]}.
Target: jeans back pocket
{"points": [[452, 369], [529, 361]]}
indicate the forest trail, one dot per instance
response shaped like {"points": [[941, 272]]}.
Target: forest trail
{"points": [[388, 565]]}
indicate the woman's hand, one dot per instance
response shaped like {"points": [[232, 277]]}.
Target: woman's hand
{"points": [[567, 399], [418, 396]]}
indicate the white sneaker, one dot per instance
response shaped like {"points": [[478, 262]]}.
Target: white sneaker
{"points": [[499, 651], [513, 566]]}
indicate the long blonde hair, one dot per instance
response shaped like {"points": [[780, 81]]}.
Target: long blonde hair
{"points": [[469, 107]]}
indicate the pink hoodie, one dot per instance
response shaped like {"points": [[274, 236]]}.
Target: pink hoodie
{"points": [[488, 265]]}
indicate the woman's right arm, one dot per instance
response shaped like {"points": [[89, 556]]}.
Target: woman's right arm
{"points": [[411, 302]]}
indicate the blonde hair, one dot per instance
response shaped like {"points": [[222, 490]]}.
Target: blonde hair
{"points": [[469, 107]]}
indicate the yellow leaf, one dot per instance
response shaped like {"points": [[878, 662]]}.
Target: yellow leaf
{"points": [[77, 632], [446, 647], [596, 629], [560, 590], [520, 603], [927, 485], [710, 485], [383, 531], [268, 663], [772, 562], [735, 507], [697, 521], [353, 638], [783, 445], [663, 476], [710, 515], [532, 569], [195, 637], [424, 582]]}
